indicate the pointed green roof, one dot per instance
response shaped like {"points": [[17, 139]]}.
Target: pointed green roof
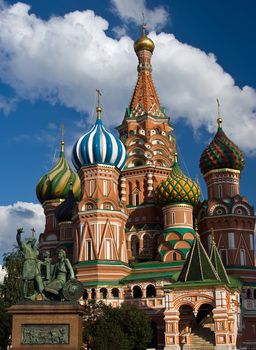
{"points": [[217, 262], [198, 266]]}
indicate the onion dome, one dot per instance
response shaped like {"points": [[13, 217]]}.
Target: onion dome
{"points": [[144, 42], [56, 183], [221, 153], [177, 188], [98, 146], [64, 211]]}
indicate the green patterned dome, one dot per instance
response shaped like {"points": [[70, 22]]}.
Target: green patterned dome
{"points": [[177, 188], [56, 183], [221, 153]]}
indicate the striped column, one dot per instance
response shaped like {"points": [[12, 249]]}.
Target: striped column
{"points": [[123, 189], [150, 184]]}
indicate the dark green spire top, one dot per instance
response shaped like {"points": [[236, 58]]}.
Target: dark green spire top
{"points": [[198, 266], [217, 262]]}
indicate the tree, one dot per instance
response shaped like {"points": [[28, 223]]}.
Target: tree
{"points": [[10, 293], [107, 328], [11, 289]]}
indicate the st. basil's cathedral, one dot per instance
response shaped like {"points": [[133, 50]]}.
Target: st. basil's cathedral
{"points": [[136, 231]]}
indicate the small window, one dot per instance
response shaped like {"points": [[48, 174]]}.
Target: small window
{"points": [[220, 191], [231, 240], [92, 186], [251, 241], [224, 258], [173, 218], [108, 249], [105, 187], [242, 257]]}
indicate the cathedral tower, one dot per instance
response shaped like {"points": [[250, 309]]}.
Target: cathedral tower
{"points": [[226, 211], [52, 189], [150, 146], [99, 224]]}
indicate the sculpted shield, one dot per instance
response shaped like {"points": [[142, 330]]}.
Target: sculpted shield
{"points": [[73, 290]]}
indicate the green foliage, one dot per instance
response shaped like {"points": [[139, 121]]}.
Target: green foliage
{"points": [[5, 326], [10, 293], [107, 328], [11, 289]]}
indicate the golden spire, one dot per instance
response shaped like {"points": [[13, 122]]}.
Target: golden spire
{"points": [[98, 108], [219, 119], [62, 137]]}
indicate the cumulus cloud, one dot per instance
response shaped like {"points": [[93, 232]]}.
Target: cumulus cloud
{"points": [[64, 59], [19, 214], [132, 10]]}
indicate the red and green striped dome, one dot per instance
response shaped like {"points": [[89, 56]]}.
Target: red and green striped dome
{"points": [[221, 153], [177, 188]]}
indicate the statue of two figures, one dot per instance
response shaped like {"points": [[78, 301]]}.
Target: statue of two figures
{"points": [[51, 281]]}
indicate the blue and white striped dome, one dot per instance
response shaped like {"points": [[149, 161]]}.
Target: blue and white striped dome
{"points": [[98, 146]]}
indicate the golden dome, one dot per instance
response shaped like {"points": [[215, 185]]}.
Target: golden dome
{"points": [[144, 43], [177, 188]]}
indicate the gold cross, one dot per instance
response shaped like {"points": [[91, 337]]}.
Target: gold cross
{"points": [[99, 97], [62, 132]]}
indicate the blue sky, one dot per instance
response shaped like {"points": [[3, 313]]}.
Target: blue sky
{"points": [[54, 54]]}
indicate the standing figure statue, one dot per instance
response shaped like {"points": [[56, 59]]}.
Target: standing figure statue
{"points": [[32, 266], [62, 273], [46, 267]]}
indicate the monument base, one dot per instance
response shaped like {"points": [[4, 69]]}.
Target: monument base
{"points": [[46, 325]]}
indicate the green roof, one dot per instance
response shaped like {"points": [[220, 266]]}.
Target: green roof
{"points": [[100, 262], [218, 264], [157, 264], [195, 284], [102, 283], [180, 231], [198, 266], [148, 276]]}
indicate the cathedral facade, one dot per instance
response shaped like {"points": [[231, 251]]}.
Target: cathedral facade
{"points": [[136, 231]]}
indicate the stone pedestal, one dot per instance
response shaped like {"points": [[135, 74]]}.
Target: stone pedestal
{"points": [[46, 326]]}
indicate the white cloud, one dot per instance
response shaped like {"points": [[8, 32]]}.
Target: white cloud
{"points": [[19, 214], [64, 59], [131, 11], [7, 105]]}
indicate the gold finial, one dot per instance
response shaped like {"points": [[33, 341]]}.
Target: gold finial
{"points": [[98, 109], [62, 137], [175, 157], [33, 232], [219, 119], [212, 235]]}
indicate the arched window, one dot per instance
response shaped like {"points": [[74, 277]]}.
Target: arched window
{"points": [[137, 292], [151, 291], [135, 246], [146, 241], [115, 293], [85, 295], [249, 294], [103, 293], [93, 293]]}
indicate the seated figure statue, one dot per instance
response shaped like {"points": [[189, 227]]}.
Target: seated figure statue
{"points": [[62, 272]]}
